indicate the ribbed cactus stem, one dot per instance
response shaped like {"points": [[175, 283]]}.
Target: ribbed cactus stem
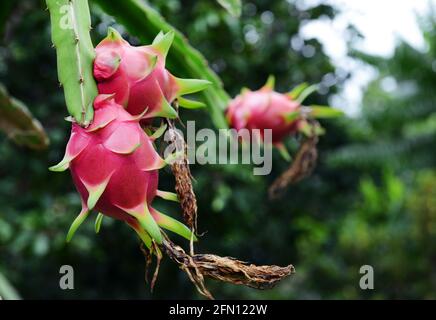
{"points": [[71, 25]]}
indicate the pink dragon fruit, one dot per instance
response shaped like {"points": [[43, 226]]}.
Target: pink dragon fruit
{"points": [[265, 109], [138, 78], [115, 169]]}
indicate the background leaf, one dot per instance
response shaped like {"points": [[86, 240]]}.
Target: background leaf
{"points": [[232, 6], [19, 124]]}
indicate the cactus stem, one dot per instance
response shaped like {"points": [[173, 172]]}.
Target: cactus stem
{"points": [[82, 95], [75, 55]]}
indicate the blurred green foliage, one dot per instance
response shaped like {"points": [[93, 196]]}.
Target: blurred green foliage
{"points": [[371, 199]]}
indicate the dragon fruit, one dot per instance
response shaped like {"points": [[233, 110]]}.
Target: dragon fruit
{"points": [[138, 77], [265, 109], [115, 169]]}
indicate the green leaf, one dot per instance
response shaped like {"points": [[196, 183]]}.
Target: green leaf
{"points": [[317, 111], [70, 26], [19, 124], [145, 23], [232, 6]]}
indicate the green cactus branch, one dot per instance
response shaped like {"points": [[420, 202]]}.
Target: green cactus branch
{"points": [[18, 123], [70, 26], [144, 22]]}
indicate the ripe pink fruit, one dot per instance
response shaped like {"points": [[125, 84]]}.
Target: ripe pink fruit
{"points": [[265, 109], [115, 169], [138, 78]]}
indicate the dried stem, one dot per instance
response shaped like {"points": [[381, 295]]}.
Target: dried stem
{"points": [[158, 261], [225, 269], [301, 167], [182, 174], [148, 255]]}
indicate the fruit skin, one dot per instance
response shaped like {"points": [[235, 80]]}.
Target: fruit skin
{"points": [[114, 167], [138, 77], [265, 109]]}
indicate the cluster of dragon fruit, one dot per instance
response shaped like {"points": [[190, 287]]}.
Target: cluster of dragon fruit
{"points": [[113, 161]]}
